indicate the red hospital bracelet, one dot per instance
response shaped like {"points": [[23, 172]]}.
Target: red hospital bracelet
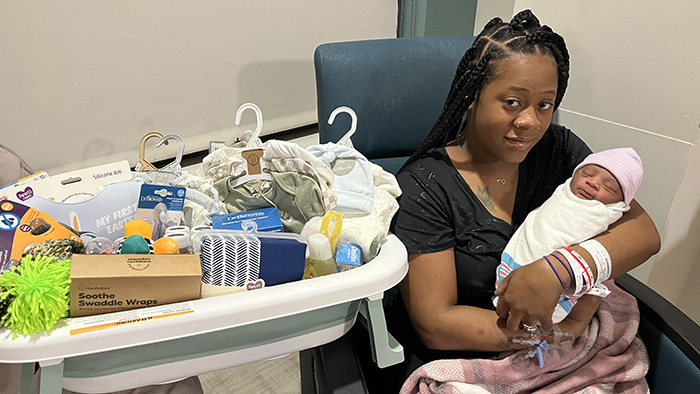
{"points": [[586, 268]]}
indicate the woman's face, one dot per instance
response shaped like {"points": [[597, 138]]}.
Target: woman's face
{"points": [[512, 112]]}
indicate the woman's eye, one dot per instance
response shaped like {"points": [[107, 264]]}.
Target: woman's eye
{"points": [[512, 103], [546, 106]]}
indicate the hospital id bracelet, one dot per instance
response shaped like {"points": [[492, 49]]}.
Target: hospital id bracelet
{"points": [[601, 257]]}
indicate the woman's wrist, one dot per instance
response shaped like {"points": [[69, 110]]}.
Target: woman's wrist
{"points": [[588, 258], [561, 268]]}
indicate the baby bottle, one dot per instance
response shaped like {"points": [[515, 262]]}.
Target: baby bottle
{"points": [[320, 261]]}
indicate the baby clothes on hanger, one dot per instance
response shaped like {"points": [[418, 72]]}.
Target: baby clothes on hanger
{"points": [[227, 160], [353, 183], [297, 197], [285, 156], [222, 163], [278, 156]]}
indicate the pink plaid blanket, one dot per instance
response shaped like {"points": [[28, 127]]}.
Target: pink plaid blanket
{"points": [[607, 358]]}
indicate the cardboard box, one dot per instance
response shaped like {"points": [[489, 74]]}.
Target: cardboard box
{"points": [[111, 283]]}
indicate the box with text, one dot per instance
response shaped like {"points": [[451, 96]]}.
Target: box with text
{"points": [[110, 283]]}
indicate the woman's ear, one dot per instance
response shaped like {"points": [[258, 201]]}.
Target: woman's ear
{"points": [[474, 102]]}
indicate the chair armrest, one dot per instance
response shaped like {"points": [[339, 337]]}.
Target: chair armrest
{"points": [[671, 337]]}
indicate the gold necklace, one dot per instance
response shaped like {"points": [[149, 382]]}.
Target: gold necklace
{"points": [[502, 181]]}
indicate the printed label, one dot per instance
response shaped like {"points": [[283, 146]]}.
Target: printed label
{"points": [[342, 167], [81, 325]]}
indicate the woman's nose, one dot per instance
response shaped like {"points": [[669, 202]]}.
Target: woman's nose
{"points": [[527, 119]]}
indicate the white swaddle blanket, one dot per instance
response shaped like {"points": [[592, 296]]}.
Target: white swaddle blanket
{"points": [[563, 220]]}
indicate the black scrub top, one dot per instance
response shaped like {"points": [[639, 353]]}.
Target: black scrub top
{"points": [[438, 211]]}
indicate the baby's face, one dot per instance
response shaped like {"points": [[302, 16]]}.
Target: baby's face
{"points": [[592, 182]]}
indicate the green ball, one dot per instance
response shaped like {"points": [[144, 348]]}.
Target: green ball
{"points": [[135, 244]]}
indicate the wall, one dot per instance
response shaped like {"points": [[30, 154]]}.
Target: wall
{"points": [[82, 81], [450, 17], [486, 10], [436, 17], [634, 78]]}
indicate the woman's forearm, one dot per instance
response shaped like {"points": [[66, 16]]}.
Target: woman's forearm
{"points": [[475, 329], [467, 328], [429, 292]]}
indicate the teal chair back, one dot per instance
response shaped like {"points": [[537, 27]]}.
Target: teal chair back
{"points": [[396, 87]]}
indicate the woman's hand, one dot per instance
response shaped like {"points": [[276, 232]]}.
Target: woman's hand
{"points": [[529, 294]]}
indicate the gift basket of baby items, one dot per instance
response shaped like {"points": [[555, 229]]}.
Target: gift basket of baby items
{"points": [[261, 244]]}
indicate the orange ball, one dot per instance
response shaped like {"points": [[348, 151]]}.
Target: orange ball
{"points": [[138, 227], [165, 245]]}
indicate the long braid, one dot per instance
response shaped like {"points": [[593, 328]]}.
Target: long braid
{"points": [[498, 40]]}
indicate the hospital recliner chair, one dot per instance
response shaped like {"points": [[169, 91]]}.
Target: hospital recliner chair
{"points": [[397, 88]]}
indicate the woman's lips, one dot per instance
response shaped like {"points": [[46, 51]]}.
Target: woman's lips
{"points": [[519, 144]]}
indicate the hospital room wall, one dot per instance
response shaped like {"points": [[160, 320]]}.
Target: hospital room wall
{"points": [[634, 78], [82, 81]]}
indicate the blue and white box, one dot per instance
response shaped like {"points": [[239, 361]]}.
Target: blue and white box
{"points": [[266, 219], [347, 257]]}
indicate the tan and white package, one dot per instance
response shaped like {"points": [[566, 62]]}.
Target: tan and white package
{"points": [[110, 283]]}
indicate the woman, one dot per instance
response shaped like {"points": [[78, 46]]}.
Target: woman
{"points": [[471, 183]]}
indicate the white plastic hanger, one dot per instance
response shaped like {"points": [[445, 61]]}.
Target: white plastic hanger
{"points": [[168, 173], [345, 140], [258, 127], [176, 165]]}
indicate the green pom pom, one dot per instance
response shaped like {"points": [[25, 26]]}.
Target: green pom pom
{"points": [[41, 294]]}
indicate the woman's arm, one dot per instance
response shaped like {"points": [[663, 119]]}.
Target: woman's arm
{"points": [[430, 294], [529, 293]]}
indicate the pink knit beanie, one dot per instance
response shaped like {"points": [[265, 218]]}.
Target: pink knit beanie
{"points": [[624, 163]]}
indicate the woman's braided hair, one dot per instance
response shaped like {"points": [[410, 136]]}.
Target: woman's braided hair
{"points": [[498, 40]]}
